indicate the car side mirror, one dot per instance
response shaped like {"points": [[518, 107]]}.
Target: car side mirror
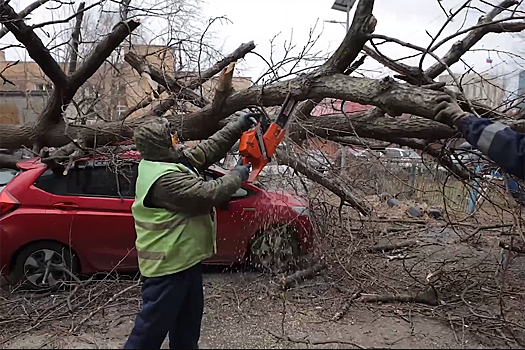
{"points": [[223, 206]]}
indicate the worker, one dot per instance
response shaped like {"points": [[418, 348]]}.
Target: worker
{"points": [[175, 223], [496, 140]]}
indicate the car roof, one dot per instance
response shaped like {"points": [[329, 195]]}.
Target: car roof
{"points": [[32, 163]]}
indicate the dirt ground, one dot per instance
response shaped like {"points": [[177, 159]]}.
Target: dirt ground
{"points": [[239, 321], [474, 294]]}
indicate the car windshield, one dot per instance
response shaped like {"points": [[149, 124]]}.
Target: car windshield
{"points": [[410, 154], [6, 175]]}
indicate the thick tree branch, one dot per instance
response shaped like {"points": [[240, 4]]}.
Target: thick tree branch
{"points": [[373, 124], [362, 26], [305, 108], [75, 39], [141, 65], [387, 94], [410, 72], [101, 52], [459, 48], [224, 87], [338, 187], [33, 44], [166, 104], [63, 94], [23, 14], [360, 141], [236, 55]]}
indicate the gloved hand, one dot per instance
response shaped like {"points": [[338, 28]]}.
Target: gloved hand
{"points": [[245, 120], [243, 170], [447, 110]]}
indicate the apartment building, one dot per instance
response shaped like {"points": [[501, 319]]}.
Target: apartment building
{"points": [[114, 88]]}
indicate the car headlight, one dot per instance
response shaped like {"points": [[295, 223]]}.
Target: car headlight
{"points": [[301, 210]]}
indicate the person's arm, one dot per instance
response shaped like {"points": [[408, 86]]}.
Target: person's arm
{"points": [[183, 192], [496, 140], [499, 142], [215, 148]]}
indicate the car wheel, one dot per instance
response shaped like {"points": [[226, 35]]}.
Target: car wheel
{"points": [[276, 249], [44, 266]]}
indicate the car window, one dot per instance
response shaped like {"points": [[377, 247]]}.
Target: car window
{"points": [[392, 153], [103, 181], [92, 181], [6, 176], [410, 154], [240, 193]]}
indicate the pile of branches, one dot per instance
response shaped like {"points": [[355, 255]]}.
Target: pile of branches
{"points": [[465, 274], [80, 303]]}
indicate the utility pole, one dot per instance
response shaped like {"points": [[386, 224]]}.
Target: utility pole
{"points": [[346, 6], [343, 6]]}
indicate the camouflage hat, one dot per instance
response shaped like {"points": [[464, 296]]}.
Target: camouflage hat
{"points": [[153, 140]]}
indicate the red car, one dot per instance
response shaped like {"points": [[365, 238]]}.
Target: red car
{"points": [[82, 221]]}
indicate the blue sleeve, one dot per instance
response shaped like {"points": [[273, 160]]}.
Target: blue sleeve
{"points": [[498, 141]]}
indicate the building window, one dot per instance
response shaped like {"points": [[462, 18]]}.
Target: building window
{"points": [[121, 109]]}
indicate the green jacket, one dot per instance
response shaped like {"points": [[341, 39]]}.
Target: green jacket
{"points": [[174, 207]]}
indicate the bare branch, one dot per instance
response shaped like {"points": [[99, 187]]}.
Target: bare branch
{"points": [[337, 187], [224, 86], [75, 39], [458, 49], [33, 44], [362, 26], [141, 65], [236, 55], [23, 14], [102, 52]]}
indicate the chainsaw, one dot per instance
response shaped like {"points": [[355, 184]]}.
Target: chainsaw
{"points": [[258, 145]]}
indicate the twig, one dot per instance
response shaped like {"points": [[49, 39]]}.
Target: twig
{"points": [[286, 282], [77, 327], [391, 246], [315, 342], [428, 297], [338, 315]]}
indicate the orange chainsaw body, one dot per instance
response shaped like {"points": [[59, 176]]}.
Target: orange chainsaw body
{"points": [[251, 152], [257, 147]]}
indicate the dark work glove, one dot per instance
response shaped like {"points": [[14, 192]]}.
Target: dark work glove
{"points": [[447, 111], [243, 170], [246, 120]]}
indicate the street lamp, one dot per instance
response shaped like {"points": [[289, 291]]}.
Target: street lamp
{"points": [[344, 6]]}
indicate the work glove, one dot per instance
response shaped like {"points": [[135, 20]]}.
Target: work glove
{"points": [[243, 170], [447, 111], [246, 121]]}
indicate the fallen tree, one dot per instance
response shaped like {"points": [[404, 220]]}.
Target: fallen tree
{"points": [[390, 98]]}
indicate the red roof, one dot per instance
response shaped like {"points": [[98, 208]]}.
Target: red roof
{"points": [[333, 106]]}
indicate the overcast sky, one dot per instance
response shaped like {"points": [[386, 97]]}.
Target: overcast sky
{"points": [[407, 20], [404, 19]]}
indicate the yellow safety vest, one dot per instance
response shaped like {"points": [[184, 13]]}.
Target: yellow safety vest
{"points": [[168, 242]]}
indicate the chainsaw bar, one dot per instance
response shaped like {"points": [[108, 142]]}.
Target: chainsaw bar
{"points": [[286, 111]]}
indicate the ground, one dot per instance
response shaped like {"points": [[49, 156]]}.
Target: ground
{"points": [[230, 322], [473, 293]]}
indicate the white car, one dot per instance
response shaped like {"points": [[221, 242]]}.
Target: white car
{"points": [[402, 157]]}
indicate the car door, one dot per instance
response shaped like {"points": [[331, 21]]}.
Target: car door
{"points": [[233, 217], [103, 225], [55, 221]]}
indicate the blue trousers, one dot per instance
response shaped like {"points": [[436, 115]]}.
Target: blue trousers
{"points": [[171, 305]]}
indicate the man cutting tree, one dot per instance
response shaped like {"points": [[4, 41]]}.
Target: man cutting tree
{"points": [[175, 223]]}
